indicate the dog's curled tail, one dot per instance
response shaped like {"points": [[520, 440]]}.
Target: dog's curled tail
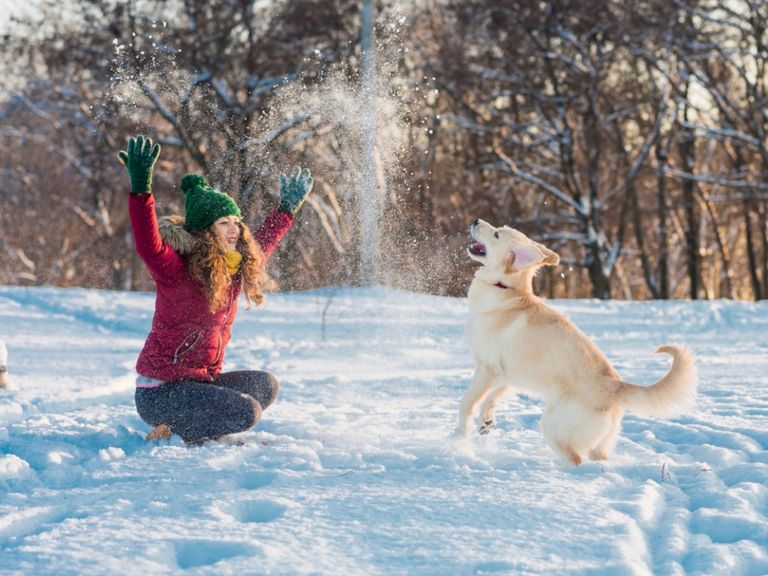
{"points": [[672, 394]]}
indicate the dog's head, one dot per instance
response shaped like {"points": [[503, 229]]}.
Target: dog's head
{"points": [[505, 252]]}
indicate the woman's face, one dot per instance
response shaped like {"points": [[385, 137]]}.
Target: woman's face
{"points": [[227, 229]]}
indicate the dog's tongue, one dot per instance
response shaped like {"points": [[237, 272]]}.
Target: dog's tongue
{"points": [[477, 248]]}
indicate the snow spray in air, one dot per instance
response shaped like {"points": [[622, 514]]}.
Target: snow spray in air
{"points": [[345, 120]]}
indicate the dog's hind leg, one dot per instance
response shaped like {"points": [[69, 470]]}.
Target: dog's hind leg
{"points": [[488, 408], [555, 439], [605, 446], [571, 429], [482, 382]]}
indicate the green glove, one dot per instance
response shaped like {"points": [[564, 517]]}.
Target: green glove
{"points": [[139, 159], [294, 189]]}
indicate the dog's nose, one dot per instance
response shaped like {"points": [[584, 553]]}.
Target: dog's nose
{"points": [[476, 222]]}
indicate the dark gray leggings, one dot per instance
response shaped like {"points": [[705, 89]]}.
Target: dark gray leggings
{"points": [[201, 410]]}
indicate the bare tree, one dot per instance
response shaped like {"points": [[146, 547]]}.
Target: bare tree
{"points": [[204, 81], [551, 97], [731, 62], [631, 137]]}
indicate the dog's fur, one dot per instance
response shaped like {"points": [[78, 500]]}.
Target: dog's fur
{"points": [[519, 343]]}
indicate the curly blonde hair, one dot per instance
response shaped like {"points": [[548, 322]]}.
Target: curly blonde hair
{"points": [[207, 263]]}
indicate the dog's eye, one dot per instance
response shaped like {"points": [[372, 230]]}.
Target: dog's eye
{"points": [[495, 234]]}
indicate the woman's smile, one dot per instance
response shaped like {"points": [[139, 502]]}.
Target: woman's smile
{"points": [[228, 232]]}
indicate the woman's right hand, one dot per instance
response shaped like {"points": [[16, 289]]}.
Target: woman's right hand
{"points": [[139, 159], [294, 189]]}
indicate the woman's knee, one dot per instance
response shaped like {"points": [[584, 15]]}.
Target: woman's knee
{"points": [[257, 410], [262, 386], [151, 405], [271, 389]]}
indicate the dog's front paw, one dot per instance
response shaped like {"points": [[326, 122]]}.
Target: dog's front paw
{"points": [[487, 426]]}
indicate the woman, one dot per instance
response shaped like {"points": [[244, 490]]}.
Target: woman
{"points": [[200, 265]]}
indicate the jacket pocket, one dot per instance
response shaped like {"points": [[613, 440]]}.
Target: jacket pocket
{"points": [[187, 345]]}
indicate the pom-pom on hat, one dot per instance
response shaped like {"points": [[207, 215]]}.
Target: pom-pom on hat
{"points": [[203, 203]]}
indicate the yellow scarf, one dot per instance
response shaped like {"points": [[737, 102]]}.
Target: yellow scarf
{"points": [[233, 258]]}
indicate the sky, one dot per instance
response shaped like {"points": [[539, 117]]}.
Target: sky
{"points": [[354, 469]]}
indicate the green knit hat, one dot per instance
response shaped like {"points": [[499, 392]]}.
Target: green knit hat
{"points": [[204, 204]]}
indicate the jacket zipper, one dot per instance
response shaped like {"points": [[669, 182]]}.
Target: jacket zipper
{"points": [[226, 317]]}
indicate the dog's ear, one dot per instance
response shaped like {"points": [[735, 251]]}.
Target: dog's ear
{"points": [[522, 257], [550, 258]]}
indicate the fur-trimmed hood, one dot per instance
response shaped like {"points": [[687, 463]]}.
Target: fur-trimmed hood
{"points": [[175, 235]]}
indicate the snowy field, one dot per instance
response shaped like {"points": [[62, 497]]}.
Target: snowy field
{"points": [[353, 471]]}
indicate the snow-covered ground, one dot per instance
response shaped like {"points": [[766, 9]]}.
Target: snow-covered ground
{"points": [[353, 471]]}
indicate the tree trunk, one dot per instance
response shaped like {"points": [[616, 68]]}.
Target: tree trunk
{"points": [[645, 263], [748, 207], [725, 275], [764, 238], [687, 152], [601, 283], [661, 207]]}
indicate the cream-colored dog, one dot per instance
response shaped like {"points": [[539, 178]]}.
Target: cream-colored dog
{"points": [[519, 343]]}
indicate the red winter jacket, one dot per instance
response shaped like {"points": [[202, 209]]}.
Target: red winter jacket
{"points": [[187, 340]]}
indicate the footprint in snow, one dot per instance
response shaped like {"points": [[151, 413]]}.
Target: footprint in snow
{"points": [[254, 511], [197, 553]]}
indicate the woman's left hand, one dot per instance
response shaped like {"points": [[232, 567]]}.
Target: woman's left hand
{"points": [[139, 159], [294, 189]]}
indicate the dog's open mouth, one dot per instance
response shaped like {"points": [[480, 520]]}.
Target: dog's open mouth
{"points": [[477, 249]]}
